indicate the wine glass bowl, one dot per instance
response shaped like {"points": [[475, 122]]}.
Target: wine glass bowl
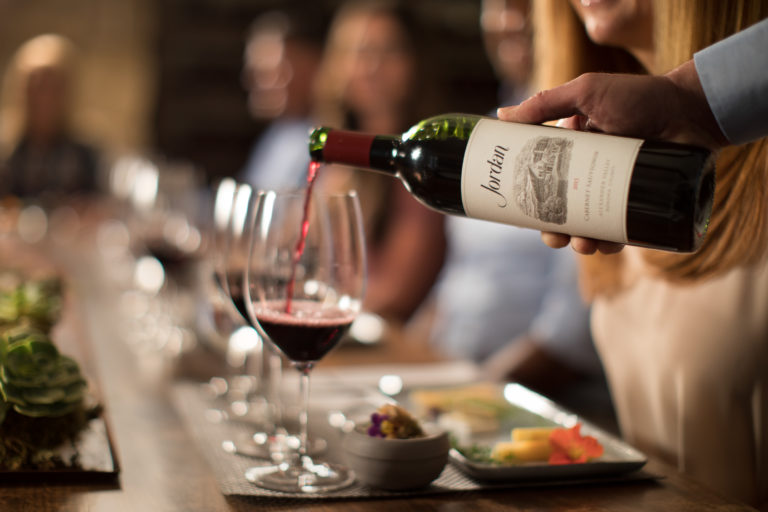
{"points": [[305, 279]]}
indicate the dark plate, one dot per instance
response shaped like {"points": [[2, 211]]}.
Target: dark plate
{"points": [[96, 460]]}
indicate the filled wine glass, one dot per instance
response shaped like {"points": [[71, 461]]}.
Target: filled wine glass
{"points": [[305, 279]]}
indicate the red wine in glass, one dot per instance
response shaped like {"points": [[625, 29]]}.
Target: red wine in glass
{"points": [[307, 333]]}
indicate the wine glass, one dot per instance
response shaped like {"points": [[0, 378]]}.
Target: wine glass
{"points": [[233, 253], [251, 393], [227, 321], [305, 278]]}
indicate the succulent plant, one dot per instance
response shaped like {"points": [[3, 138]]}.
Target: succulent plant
{"points": [[35, 379], [32, 303]]}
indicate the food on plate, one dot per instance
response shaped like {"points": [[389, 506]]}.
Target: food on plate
{"points": [[531, 433], [475, 413], [528, 450], [557, 445], [465, 410], [482, 399], [569, 446], [391, 421]]}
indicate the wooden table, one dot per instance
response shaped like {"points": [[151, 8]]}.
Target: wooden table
{"points": [[161, 469]]}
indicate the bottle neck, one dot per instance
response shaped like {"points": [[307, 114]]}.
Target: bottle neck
{"points": [[355, 149]]}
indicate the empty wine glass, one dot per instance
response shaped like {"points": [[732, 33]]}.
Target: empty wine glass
{"points": [[305, 278], [230, 327], [251, 393], [267, 362], [232, 256]]}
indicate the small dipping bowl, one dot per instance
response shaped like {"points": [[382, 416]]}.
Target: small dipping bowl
{"points": [[396, 464]]}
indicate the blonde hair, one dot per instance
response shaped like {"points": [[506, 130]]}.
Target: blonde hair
{"points": [[47, 51], [563, 50], [737, 234]]}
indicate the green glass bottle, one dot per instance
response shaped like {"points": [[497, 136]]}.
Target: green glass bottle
{"points": [[648, 193]]}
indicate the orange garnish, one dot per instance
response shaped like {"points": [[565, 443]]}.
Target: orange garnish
{"points": [[570, 447]]}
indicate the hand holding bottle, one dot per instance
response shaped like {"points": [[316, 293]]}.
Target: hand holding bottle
{"points": [[670, 107]]}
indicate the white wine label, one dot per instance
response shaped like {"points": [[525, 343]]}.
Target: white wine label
{"points": [[550, 179]]}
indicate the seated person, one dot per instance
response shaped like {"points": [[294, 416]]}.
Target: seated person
{"points": [[282, 55], [45, 159]]}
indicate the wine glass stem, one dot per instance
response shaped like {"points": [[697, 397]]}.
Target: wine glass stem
{"points": [[275, 377], [304, 369]]}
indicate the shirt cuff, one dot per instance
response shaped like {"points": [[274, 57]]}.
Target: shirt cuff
{"points": [[733, 75]]}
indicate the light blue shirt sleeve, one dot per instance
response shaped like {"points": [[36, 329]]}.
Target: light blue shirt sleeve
{"points": [[280, 157], [734, 76]]}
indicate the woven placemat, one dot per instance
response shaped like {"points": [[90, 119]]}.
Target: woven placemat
{"points": [[196, 411]]}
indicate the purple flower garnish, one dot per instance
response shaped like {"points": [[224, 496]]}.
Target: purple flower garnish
{"points": [[375, 431], [376, 420]]}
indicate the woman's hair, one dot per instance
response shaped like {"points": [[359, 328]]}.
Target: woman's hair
{"points": [[563, 50], [738, 229], [48, 51]]}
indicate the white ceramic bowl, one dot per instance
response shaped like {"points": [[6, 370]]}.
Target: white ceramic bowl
{"points": [[396, 464]]}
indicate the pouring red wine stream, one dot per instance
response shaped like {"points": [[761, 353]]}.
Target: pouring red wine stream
{"points": [[301, 243]]}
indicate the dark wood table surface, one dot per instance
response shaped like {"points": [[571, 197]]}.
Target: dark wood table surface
{"points": [[162, 470]]}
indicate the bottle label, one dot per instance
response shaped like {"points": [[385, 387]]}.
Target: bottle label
{"points": [[549, 179]]}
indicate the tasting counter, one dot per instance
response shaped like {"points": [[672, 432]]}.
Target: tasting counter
{"points": [[161, 470]]}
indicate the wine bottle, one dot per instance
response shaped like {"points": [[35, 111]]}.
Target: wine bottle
{"points": [[647, 193]]}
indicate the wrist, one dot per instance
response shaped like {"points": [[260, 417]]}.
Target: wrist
{"points": [[700, 123]]}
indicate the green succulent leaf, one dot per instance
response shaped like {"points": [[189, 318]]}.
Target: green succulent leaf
{"points": [[32, 303], [35, 379]]}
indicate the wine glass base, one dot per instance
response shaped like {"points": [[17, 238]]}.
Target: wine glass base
{"points": [[233, 388], [271, 447], [308, 478]]}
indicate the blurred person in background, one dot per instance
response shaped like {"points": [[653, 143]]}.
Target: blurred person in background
{"points": [[683, 337], [375, 79], [503, 298], [281, 59], [44, 158]]}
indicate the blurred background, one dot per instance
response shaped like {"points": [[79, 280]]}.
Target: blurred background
{"points": [[163, 77]]}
